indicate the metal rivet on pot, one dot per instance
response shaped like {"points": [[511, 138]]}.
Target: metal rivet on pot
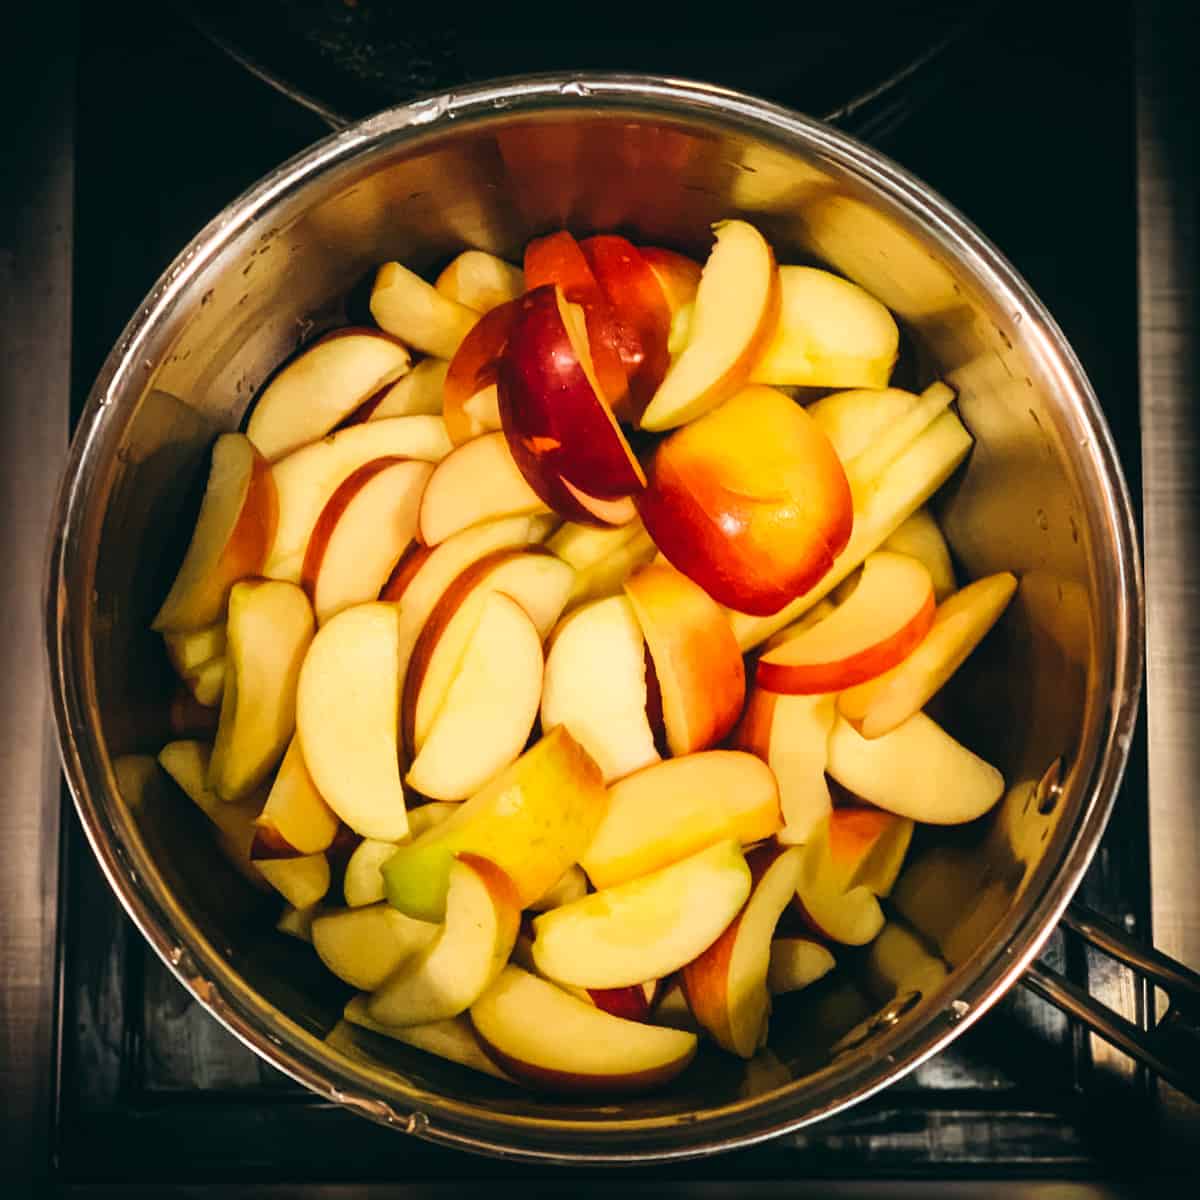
{"points": [[884, 1019], [1049, 789]]}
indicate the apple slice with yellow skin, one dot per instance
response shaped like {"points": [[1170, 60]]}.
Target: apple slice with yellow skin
{"points": [[797, 962], [269, 631], [414, 311], [726, 986], [736, 311], [480, 281], [917, 770], [853, 419], [191, 650], [554, 1042], [921, 538], [961, 622], [489, 709], [297, 922], [696, 658], [457, 967], [417, 394], [671, 810], [362, 531], [234, 532], [595, 686], [306, 479], [852, 918], [572, 885], [647, 927], [321, 387], [302, 881], [295, 818], [860, 846], [607, 577], [831, 333], [884, 619], [552, 796], [475, 483], [347, 717], [364, 946]]}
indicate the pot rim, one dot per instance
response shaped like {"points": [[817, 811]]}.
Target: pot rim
{"points": [[199, 966]]}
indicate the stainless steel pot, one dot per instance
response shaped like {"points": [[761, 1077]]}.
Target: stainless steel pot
{"points": [[1052, 698]]}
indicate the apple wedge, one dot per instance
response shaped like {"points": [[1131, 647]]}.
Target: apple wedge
{"points": [[572, 885], [853, 419], [884, 619], [457, 967], [607, 577], [726, 986], [295, 818], [960, 623], [860, 846], [234, 532], [737, 310], [537, 1033], [191, 650], [476, 482], [583, 546], [797, 962], [269, 631], [414, 311], [852, 918], [552, 797], [347, 716], [897, 962], [647, 927], [921, 538], [362, 883], [677, 275], [297, 922], [831, 333], [480, 281], [362, 531], [489, 709], [321, 387], [363, 946], [207, 683], [595, 686], [917, 770], [417, 394], [671, 810], [696, 658], [306, 479], [302, 881]]}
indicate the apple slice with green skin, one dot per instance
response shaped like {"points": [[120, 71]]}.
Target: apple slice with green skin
{"points": [[853, 419], [736, 312], [750, 501], [475, 483], [726, 986], [364, 946], [961, 622], [480, 281], [796, 963], [191, 650], [320, 388], [453, 1039], [921, 538], [917, 770], [417, 394], [347, 716], [554, 1042], [457, 967], [297, 922], [485, 720], [607, 577], [362, 531], [306, 479], [552, 796], [595, 685], [302, 881], [647, 927], [696, 659], [882, 622], [472, 373], [295, 818], [234, 532], [852, 918], [677, 275], [675, 808], [269, 631], [831, 333], [573, 885], [414, 311]]}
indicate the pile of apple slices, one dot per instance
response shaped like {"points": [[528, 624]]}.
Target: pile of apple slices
{"points": [[534, 731]]}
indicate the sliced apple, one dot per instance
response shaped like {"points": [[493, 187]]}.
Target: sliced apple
{"points": [[831, 333], [897, 962], [306, 479], [607, 577], [555, 1042], [297, 922], [675, 808], [475, 483], [647, 927], [269, 631], [887, 446], [552, 797], [633, 1003], [677, 275], [457, 967], [852, 917], [295, 818], [425, 816], [480, 281], [726, 986], [853, 419], [572, 885], [672, 1010], [417, 394], [921, 538], [302, 881], [320, 388], [918, 770], [583, 546], [234, 533], [595, 686], [347, 716], [469, 402], [191, 650], [797, 962], [414, 311], [696, 659], [364, 946], [880, 705], [207, 682], [737, 309], [362, 531], [362, 883], [860, 846], [750, 501]]}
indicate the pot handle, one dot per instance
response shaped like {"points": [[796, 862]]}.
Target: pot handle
{"points": [[1170, 1047]]}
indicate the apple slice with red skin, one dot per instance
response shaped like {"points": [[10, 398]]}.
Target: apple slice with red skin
{"points": [[882, 622], [864, 847], [472, 370], [677, 275], [852, 917], [632, 1003]]}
